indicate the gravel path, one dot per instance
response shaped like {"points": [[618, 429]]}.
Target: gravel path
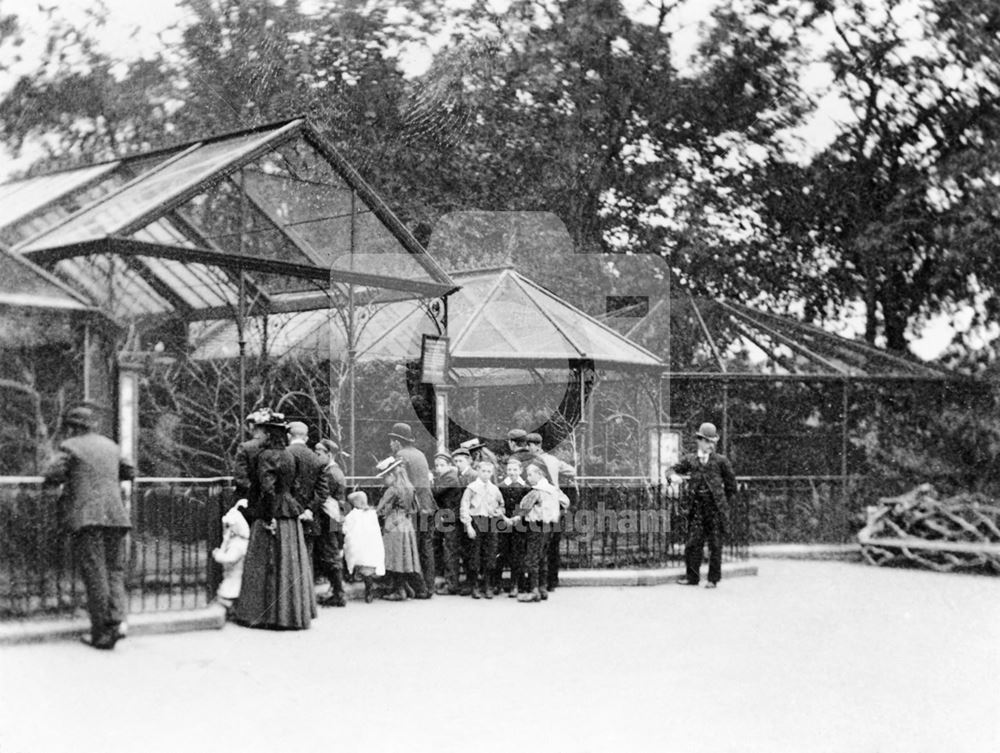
{"points": [[807, 656]]}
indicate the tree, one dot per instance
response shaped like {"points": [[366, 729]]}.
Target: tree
{"points": [[899, 212]]}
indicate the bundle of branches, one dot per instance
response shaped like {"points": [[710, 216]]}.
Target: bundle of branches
{"points": [[962, 531]]}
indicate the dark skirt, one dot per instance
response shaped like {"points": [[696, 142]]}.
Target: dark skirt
{"points": [[277, 590], [400, 540]]}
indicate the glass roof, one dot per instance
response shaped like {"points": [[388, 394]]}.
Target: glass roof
{"points": [[164, 233], [24, 284], [702, 336], [497, 319]]}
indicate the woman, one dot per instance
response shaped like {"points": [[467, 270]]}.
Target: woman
{"points": [[398, 506], [277, 589]]}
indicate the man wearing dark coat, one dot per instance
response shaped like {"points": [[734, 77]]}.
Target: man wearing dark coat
{"points": [[90, 468], [711, 491], [310, 487], [401, 443], [330, 524]]}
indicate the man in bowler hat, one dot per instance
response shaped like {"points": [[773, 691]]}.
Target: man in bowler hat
{"points": [[711, 490], [402, 444], [90, 467]]}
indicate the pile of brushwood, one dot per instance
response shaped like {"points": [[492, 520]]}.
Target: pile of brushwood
{"points": [[961, 532]]}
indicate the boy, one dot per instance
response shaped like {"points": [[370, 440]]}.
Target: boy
{"points": [[448, 495], [539, 510], [481, 510], [510, 541]]}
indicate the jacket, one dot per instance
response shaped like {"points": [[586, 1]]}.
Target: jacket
{"points": [[90, 468], [310, 487], [719, 477], [419, 474]]}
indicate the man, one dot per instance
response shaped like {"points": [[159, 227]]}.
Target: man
{"points": [[711, 490], [401, 443], [310, 486], [329, 523], [562, 475], [90, 468]]}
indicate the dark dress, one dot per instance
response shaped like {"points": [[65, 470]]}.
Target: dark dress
{"points": [[277, 590]]}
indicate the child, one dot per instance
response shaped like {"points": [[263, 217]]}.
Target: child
{"points": [[235, 538], [448, 495], [481, 510], [363, 546], [511, 541], [398, 507], [538, 512]]}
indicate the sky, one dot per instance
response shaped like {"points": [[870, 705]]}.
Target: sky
{"points": [[134, 28]]}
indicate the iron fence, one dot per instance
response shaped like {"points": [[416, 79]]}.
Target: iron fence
{"points": [[614, 522], [175, 525], [626, 522]]}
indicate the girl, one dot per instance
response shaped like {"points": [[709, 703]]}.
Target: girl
{"points": [[397, 507], [235, 537], [363, 547]]}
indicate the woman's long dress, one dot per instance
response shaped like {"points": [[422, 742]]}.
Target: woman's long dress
{"points": [[277, 590], [398, 535]]}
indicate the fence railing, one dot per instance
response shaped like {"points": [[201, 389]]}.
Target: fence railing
{"points": [[175, 525], [614, 522]]}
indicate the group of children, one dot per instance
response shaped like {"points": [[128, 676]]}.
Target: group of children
{"points": [[489, 519]]}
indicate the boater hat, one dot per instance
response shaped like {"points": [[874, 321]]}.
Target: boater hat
{"points": [[384, 466], [517, 435], [460, 451], [472, 444], [708, 431]]}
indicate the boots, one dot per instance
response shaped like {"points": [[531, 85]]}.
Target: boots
{"points": [[487, 588], [528, 596], [397, 590], [369, 589]]}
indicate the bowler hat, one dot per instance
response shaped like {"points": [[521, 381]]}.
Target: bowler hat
{"points": [[81, 417], [386, 465], [402, 432], [708, 431], [534, 438]]}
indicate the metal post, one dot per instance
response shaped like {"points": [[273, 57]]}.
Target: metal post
{"points": [[725, 417], [241, 334], [241, 314], [843, 444], [351, 336], [441, 392], [87, 376]]}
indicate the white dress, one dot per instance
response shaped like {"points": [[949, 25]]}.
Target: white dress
{"points": [[363, 545]]}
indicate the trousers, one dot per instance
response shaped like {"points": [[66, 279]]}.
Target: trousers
{"points": [[100, 555], [704, 527]]}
